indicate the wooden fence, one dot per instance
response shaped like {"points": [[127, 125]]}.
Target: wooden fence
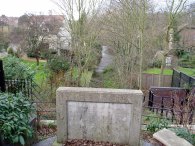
{"points": [[149, 80]]}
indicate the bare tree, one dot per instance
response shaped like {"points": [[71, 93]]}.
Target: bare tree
{"points": [[37, 29], [174, 8], [35, 32], [126, 25], [81, 24]]}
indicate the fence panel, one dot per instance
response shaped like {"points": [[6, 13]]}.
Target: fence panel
{"points": [[19, 85], [153, 80], [180, 79], [176, 79], [171, 103]]}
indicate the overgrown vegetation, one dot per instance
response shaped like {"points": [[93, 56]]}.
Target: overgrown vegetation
{"points": [[155, 123], [109, 80], [57, 64], [41, 72]]}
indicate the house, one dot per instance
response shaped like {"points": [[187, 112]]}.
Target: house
{"points": [[47, 26], [4, 27]]}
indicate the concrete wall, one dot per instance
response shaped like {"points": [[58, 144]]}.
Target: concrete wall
{"points": [[149, 80], [112, 115]]}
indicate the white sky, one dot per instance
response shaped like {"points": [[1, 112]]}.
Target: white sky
{"points": [[19, 7]]}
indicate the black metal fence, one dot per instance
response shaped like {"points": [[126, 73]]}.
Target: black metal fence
{"points": [[24, 86], [2, 79], [180, 79], [173, 106]]}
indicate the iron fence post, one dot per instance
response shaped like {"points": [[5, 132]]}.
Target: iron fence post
{"points": [[2, 77]]}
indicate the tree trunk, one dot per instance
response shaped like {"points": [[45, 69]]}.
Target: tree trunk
{"points": [[37, 59], [161, 72], [141, 60]]}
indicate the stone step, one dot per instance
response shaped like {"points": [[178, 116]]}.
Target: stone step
{"points": [[169, 138]]}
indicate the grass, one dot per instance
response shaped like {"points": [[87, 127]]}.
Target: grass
{"points": [[188, 71], [40, 71], [158, 70]]}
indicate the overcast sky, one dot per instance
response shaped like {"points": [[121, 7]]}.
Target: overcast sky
{"points": [[19, 7]]}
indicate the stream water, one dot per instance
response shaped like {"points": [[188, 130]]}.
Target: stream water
{"points": [[106, 60]]}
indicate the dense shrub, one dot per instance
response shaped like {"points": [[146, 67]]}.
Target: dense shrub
{"points": [[181, 53], [57, 64], [10, 51], [157, 63], [15, 113], [31, 54], [14, 68], [187, 61]]}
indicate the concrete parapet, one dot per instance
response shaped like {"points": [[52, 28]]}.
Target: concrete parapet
{"points": [[97, 114]]}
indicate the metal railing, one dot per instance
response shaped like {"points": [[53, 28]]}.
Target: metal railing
{"points": [[177, 109]]}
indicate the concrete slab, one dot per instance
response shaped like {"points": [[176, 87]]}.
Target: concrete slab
{"points": [[169, 138], [56, 143]]}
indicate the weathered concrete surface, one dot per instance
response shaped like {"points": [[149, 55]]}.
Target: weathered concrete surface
{"points": [[169, 138], [102, 121], [112, 115], [47, 142]]}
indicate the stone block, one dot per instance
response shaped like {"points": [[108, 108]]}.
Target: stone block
{"points": [[169, 138], [97, 114]]}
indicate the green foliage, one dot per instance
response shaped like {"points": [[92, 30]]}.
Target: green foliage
{"points": [[188, 71], [10, 51], [156, 123], [86, 78], [184, 133], [158, 70], [15, 112], [109, 80], [157, 63], [181, 53], [31, 54], [14, 68], [57, 64], [187, 59], [41, 71]]}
